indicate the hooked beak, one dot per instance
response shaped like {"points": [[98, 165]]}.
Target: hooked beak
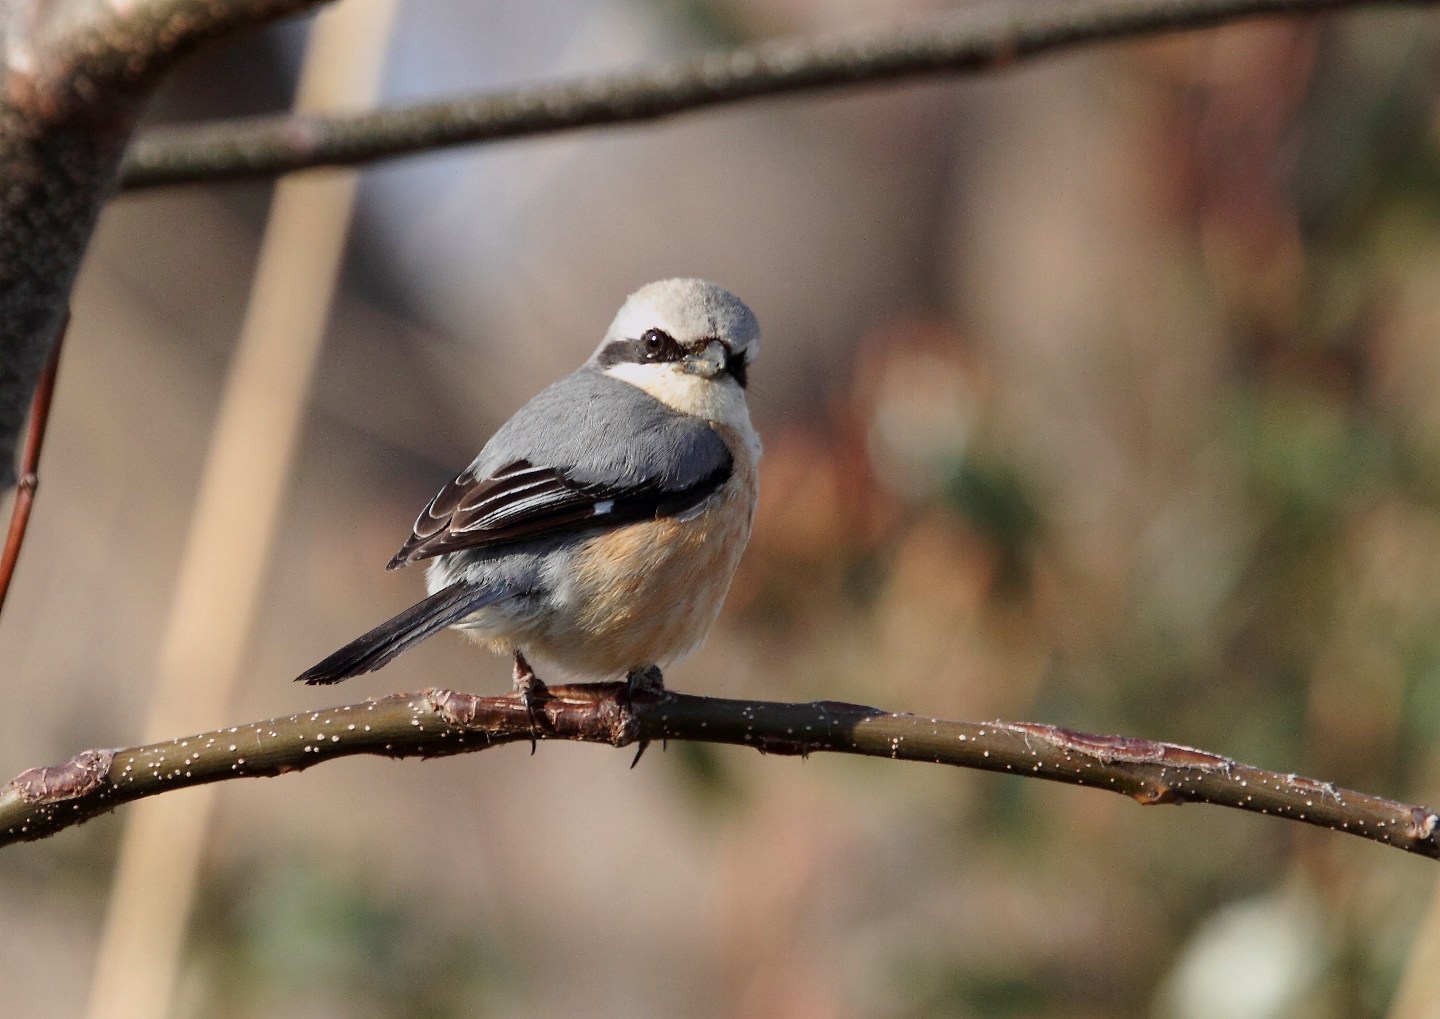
{"points": [[709, 361]]}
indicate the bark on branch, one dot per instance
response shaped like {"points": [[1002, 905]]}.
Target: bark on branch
{"points": [[970, 41], [435, 723]]}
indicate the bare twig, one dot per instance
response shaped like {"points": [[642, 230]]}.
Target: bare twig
{"points": [[29, 482], [435, 723], [970, 41]]}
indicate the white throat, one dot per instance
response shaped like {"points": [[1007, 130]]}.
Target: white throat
{"points": [[719, 400]]}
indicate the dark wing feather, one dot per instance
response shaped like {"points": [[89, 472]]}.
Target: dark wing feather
{"points": [[522, 501]]}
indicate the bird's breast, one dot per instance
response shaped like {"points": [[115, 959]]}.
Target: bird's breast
{"points": [[647, 593]]}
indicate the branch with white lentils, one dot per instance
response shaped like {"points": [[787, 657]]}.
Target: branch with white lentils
{"points": [[435, 723]]}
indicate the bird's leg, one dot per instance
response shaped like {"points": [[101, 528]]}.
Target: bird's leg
{"points": [[649, 680], [531, 689]]}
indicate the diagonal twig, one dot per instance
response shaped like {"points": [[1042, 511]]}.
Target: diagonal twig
{"points": [[29, 476], [969, 41], [434, 723]]}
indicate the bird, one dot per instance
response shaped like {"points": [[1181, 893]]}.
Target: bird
{"points": [[599, 529]]}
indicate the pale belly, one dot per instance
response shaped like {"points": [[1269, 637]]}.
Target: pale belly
{"points": [[648, 594]]}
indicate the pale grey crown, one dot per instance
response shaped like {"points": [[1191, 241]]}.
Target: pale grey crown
{"points": [[689, 310]]}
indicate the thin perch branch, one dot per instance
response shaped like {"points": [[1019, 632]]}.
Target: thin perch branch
{"points": [[435, 723], [971, 41]]}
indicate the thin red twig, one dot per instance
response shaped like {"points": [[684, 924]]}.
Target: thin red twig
{"points": [[30, 463]]}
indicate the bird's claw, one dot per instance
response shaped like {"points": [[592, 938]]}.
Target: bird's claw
{"points": [[532, 691], [649, 681]]}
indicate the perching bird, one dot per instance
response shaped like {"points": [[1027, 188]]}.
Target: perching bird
{"points": [[599, 529]]}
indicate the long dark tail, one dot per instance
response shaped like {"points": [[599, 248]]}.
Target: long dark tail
{"points": [[367, 653]]}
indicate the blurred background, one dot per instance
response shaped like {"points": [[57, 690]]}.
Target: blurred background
{"points": [[1102, 392]]}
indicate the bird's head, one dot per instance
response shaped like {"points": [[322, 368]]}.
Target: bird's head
{"points": [[684, 341]]}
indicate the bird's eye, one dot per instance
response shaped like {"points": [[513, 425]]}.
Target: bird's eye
{"points": [[657, 344]]}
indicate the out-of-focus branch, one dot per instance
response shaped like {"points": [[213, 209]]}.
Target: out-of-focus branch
{"points": [[970, 41], [30, 466], [435, 723], [72, 78], [92, 52]]}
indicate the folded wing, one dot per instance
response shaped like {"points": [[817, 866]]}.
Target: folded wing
{"points": [[590, 452]]}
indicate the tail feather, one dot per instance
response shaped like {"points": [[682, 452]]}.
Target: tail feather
{"points": [[372, 650]]}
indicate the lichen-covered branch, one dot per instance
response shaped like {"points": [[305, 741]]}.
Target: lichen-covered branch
{"points": [[433, 723], [969, 41], [72, 78]]}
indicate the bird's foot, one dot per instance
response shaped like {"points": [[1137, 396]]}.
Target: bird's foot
{"points": [[648, 680], [532, 690]]}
